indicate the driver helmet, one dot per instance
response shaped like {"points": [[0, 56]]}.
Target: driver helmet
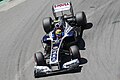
{"points": [[58, 33]]}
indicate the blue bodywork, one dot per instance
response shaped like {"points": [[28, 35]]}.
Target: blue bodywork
{"points": [[44, 39]]}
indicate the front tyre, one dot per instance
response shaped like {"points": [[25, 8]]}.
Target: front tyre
{"points": [[39, 59], [74, 51]]}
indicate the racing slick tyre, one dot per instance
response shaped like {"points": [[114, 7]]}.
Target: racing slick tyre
{"points": [[74, 51], [81, 19], [47, 24], [39, 59]]}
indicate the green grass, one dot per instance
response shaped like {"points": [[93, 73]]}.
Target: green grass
{"points": [[2, 2]]}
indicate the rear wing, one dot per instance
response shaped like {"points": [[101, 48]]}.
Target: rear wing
{"points": [[62, 7]]}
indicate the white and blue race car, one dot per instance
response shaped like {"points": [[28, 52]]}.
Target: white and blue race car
{"points": [[62, 33]]}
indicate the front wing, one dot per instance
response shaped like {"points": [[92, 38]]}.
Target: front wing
{"points": [[42, 71]]}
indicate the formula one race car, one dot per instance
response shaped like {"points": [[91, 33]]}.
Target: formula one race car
{"points": [[62, 33]]}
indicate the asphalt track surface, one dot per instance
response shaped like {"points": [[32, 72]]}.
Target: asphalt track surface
{"points": [[21, 31]]}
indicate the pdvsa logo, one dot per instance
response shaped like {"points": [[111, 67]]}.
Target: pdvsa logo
{"points": [[61, 5]]}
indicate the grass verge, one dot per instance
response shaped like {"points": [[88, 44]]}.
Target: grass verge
{"points": [[2, 2]]}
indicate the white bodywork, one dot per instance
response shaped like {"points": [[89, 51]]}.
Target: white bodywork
{"points": [[70, 63], [42, 69]]}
